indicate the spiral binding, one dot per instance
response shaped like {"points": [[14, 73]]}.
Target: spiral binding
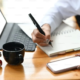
{"points": [[61, 33]]}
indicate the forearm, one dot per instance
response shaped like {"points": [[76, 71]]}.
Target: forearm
{"points": [[61, 10], [53, 18]]}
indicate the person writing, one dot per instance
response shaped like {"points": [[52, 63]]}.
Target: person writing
{"points": [[62, 9]]}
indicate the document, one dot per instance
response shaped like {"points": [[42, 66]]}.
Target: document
{"points": [[65, 39]]}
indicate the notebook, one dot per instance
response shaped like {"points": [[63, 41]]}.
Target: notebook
{"points": [[65, 39]]}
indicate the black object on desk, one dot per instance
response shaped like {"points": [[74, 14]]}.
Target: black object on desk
{"points": [[37, 25], [13, 53], [78, 19]]}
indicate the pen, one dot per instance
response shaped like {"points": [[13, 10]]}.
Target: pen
{"points": [[37, 25]]}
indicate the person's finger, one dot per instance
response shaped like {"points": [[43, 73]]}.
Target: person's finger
{"points": [[51, 40], [47, 29], [37, 40], [38, 34], [47, 35]]}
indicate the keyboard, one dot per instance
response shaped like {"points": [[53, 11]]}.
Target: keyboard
{"points": [[17, 35]]}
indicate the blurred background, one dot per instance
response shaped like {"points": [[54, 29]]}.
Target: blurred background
{"points": [[18, 10]]}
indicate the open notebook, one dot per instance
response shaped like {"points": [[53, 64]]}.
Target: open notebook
{"points": [[65, 39]]}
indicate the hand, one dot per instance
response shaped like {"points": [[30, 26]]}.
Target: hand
{"points": [[78, 67], [39, 38]]}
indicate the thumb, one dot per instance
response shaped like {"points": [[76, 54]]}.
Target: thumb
{"points": [[47, 29], [47, 34]]}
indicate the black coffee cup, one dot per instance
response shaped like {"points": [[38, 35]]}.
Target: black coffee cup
{"points": [[13, 52]]}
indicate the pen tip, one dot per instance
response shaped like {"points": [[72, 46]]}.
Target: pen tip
{"points": [[50, 44]]}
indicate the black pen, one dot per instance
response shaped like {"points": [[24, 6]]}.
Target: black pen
{"points": [[37, 25]]}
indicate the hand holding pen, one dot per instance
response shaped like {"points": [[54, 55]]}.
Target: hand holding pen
{"points": [[42, 34]]}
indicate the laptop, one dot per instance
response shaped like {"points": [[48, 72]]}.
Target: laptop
{"points": [[11, 32]]}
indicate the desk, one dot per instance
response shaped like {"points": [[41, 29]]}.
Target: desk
{"points": [[34, 67]]}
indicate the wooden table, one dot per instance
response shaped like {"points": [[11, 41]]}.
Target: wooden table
{"points": [[34, 67]]}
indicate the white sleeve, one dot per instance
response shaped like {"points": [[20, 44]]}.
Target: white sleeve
{"points": [[61, 10]]}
